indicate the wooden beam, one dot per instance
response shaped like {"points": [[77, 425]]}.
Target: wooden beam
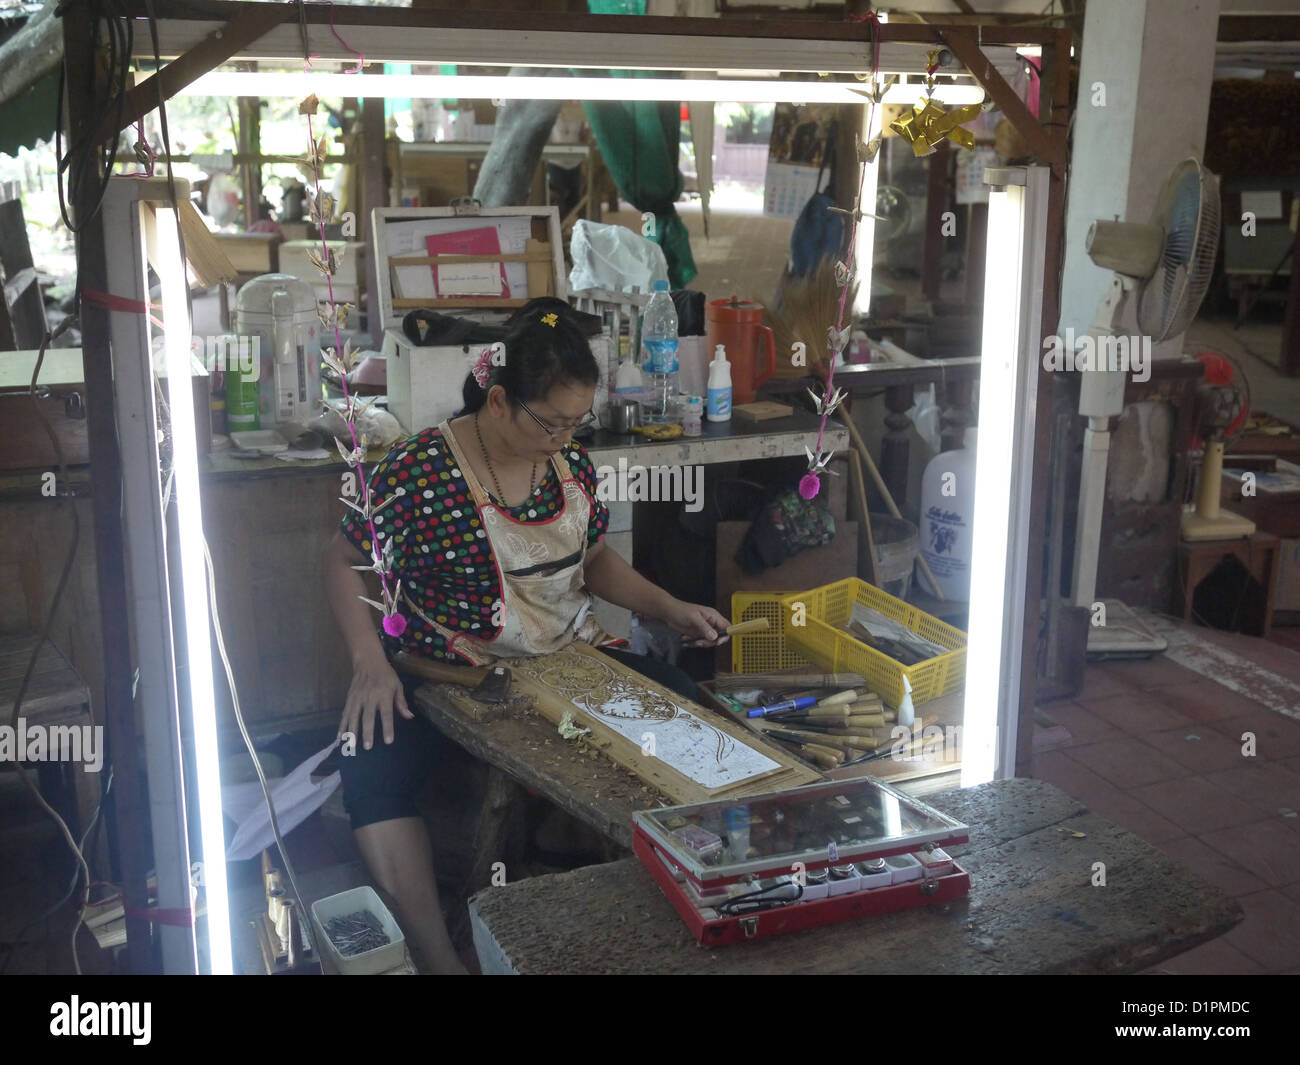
{"points": [[247, 23], [966, 48], [792, 28], [127, 812], [1236, 28]]}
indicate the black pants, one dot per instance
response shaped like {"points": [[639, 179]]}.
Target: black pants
{"points": [[382, 783]]}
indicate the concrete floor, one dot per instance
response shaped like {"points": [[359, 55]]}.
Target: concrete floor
{"points": [[1157, 748]]}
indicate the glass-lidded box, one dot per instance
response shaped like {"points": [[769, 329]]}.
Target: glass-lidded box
{"points": [[788, 860]]}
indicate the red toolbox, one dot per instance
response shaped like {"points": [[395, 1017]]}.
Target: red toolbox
{"points": [[795, 859]]}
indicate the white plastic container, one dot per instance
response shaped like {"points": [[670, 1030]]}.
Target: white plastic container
{"points": [[947, 517], [904, 867], [719, 402], [389, 956]]}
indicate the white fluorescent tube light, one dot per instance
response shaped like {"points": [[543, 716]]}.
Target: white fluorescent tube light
{"points": [[999, 369], [297, 85], [864, 251], [189, 517]]}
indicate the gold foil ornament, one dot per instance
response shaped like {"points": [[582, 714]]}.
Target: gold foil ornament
{"points": [[929, 122]]}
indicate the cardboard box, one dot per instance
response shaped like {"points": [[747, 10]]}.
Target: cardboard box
{"points": [[425, 383]]}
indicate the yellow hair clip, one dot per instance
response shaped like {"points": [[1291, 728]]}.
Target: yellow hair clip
{"points": [[550, 319]]}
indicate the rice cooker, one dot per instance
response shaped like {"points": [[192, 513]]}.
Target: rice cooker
{"points": [[277, 312]]}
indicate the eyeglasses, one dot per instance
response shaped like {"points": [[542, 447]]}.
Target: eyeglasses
{"points": [[556, 432]]}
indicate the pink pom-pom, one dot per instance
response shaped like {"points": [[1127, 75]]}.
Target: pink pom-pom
{"points": [[394, 625], [809, 485]]}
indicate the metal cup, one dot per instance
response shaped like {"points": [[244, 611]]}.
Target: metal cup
{"points": [[624, 416]]}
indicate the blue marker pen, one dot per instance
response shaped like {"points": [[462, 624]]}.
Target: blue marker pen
{"points": [[779, 708]]}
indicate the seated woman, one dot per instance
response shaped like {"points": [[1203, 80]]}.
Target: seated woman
{"points": [[497, 542]]}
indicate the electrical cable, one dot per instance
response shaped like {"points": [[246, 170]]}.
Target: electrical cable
{"points": [[243, 729], [95, 822], [44, 635]]}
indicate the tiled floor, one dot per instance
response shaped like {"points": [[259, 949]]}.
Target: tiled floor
{"points": [[1158, 749]]}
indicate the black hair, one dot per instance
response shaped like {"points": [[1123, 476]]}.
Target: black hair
{"points": [[538, 355]]}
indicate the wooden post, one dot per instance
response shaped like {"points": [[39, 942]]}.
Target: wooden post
{"points": [[896, 447], [977, 231], [250, 143], [1054, 109], [85, 84], [936, 202], [374, 193]]}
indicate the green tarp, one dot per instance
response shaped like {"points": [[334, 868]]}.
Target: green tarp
{"points": [[29, 116], [639, 142]]}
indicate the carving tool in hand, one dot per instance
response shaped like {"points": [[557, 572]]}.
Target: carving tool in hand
{"points": [[486, 684], [740, 628]]}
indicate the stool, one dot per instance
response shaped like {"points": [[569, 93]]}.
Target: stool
{"points": [[1259, 553], [56, 695]]}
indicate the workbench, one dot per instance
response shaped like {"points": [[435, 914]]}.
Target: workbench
{"points": [[1032, 909], [525, 753]]}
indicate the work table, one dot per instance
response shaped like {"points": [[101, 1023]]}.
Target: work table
{"points": [[733, 441]]}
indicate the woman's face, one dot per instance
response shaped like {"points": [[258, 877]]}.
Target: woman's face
{"points": [[560, 411]]}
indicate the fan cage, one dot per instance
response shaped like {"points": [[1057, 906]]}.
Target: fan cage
{"points": [[1189, 212]]}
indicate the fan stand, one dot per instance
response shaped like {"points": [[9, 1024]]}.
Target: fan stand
{"points": [[1206, 520]]}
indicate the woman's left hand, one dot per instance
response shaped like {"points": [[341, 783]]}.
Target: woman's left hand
{"points": [[701, 625]]}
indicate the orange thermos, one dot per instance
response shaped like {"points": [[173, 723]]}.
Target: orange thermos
{"points": [[738, 326]]}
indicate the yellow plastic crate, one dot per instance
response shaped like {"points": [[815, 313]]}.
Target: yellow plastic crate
{"points": [[834, 649], [762, 652]]}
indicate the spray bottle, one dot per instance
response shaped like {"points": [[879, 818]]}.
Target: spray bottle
{"points": [[906, 712]]}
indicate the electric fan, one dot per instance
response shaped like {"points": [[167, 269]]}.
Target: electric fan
{"points": [[1164, 267], [893, 213], [1222, 403]]}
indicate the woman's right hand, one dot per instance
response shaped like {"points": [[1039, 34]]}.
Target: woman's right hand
{"points": [[376, 689]]}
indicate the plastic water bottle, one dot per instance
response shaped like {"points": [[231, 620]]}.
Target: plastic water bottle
{"points": [[659, 354]]}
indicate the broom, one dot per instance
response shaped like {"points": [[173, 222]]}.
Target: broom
{"points": [[802, 310]]}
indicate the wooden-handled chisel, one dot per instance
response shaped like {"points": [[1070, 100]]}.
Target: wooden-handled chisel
{"points": [[826, 757], [742, 627]]}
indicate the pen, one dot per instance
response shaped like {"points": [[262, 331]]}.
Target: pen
{"points": [[776, 708]]}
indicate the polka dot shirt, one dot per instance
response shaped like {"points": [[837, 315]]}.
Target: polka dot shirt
{"points": [[440, 549]]}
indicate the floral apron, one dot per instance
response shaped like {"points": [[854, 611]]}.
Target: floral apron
{"points": [[545, 604]]}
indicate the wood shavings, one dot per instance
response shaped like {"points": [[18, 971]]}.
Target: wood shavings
{"points": [[569, 729]]}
